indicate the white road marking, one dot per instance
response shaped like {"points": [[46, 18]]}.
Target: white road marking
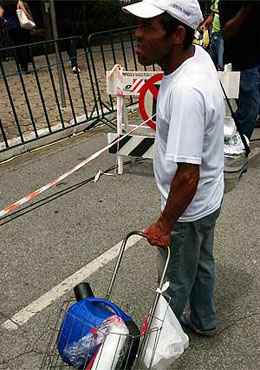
{"points": [[21, 317]]}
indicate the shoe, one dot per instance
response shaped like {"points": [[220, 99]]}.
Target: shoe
{"points": [[24, 69], [186, 322], [234, 145], [76, 69]]}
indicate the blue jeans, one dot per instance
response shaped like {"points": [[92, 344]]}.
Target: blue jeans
{"points": [[191, 271], [216, 50], [249, 100], [259, 88]]}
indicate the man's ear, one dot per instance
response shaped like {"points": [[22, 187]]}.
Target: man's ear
{"points": [[179, 35]]}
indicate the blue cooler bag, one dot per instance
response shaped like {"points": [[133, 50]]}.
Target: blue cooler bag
{"points": [[78, 338]]}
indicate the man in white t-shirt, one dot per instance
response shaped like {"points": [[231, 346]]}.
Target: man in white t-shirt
{"points": [[189, 153]]}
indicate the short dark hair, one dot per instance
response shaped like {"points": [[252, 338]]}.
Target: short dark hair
{"points": [[170, 25]]}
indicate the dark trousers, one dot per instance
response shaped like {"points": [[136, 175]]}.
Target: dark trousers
{"points": [[71, 47], [22, 53], [249, 100], [191, 270], [216, 50]]}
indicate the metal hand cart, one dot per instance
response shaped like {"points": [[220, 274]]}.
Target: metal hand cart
{"points": [[52, 360]]}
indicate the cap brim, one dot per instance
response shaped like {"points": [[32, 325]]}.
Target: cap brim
{"points": [[142, 10]]}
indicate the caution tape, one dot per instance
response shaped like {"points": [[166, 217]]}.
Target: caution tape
{"points": [[14, 206]]}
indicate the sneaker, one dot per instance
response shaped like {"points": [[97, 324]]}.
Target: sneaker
{"points": [[234, 145], [186, 322], [76, 69]]}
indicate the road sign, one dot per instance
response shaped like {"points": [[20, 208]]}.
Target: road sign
{"points": [[147, 99], [126, 83]]}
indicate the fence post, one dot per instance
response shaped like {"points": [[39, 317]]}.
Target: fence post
{"points": [[59, 68]]}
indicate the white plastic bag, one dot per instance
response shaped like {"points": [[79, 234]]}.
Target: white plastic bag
{"points": [[165, 346], [25, 22], [111, 351], [229, 127], [230, 81]]}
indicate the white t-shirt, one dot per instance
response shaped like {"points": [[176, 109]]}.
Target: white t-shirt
{"points": [[190, 129]]}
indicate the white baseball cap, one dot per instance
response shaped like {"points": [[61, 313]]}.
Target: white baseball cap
{"points": [[186, 11]]}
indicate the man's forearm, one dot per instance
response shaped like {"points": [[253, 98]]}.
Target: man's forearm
{"points": [[232, 27], [183, 188], [207, 22]]}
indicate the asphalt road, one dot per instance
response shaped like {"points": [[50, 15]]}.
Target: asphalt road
{"points": [[47, 243]]}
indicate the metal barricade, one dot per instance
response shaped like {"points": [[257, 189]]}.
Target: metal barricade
{"points": [[48, 98], [105, 50], [51, 99]]}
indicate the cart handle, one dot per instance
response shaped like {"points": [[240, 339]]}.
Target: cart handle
{"points": [[120, 256]]}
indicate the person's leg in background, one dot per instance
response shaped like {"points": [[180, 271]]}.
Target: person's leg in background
{"points": [[249, 101], [220, 51], [216, 50], [258, 117], [22, 54], [25, 57], [72, 53], [213, 49]]}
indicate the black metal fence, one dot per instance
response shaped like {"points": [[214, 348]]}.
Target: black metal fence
{"points": [[49, 97], [105, 50]]}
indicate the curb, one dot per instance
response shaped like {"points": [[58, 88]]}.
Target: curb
{"points": [[46, 138]]}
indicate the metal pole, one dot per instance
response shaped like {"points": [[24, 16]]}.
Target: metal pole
{"points": [[120, 115], [58, 61]]}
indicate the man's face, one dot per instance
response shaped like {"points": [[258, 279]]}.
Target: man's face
{"points": [[1, 11], [153, 44]]}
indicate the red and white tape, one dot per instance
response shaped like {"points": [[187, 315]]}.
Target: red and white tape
{"points": [[14, 206]]}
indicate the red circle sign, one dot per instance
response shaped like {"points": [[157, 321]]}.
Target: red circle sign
{"points": [[149, 87]]}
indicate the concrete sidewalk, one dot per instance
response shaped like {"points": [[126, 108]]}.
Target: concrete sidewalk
{"points": [[72, 225]]}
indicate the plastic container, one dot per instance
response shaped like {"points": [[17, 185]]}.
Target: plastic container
{"points": [[79, 336], [82, 291]]}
